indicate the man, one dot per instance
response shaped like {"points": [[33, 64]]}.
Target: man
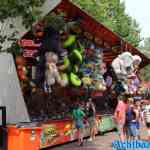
{"points": [[132, 120], [137, 110], [147, 117], [120, 116], [91, 114]]}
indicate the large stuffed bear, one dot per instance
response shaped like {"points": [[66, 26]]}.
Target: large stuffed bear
{"points": [[125, 67], [125, 64]]}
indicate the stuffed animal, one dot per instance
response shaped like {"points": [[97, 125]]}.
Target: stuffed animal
{"points": [[21, 69], [125, 64], [70, 67], [51, 73]]}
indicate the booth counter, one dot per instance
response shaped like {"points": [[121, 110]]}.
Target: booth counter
{"points": [[51, 133]]}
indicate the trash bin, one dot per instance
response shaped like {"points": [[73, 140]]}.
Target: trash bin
{"points": [[23, 138]]}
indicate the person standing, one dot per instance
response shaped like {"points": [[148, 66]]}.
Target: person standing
{"points": [[78, 116], [131, 121], [120, 116], [137, 110], [91, 114], [147, 117]]}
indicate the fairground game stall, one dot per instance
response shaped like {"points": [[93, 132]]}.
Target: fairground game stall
{"points": [[65, 57]]}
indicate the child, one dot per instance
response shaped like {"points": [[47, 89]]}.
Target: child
{"points": [[78, 116]]}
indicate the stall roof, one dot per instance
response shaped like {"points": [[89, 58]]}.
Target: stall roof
{"points": [[114, 43]]}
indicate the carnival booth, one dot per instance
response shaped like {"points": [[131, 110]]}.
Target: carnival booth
{"points": [[68, 56]]}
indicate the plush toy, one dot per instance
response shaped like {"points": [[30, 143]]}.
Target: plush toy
{"points": [[51, 73], [121, 63], [21, 69], [125, 64], [70, 67], [133, 83]]}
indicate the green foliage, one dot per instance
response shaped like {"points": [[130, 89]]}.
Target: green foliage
{"points": [[145, 73], [147, 44], [28, 10], [56, 21], [112, 14]]}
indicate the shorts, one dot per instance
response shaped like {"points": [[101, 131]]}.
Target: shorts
{"points": [[132, 130], [138, 125], [92, 122], [120, 128], [79, 124], [148, 124]]}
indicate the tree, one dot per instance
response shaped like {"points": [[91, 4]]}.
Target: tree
{"points": [[112, 14], [145, 48], [12, 11], [147, 44]]}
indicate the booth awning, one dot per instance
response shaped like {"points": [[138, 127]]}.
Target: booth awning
{"points": [[112, 43], [100, 31]]}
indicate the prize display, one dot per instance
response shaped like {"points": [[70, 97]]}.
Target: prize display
{"points": [[58, 58], [125, 67]]}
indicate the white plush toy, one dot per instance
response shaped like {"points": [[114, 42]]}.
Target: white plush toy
{"points": [[51, 74], [124, 64]]}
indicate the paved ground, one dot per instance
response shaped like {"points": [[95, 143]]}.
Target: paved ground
{"points": [[102, 142]]}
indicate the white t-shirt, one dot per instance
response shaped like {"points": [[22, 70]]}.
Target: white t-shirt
{"points": [[147, 113]]}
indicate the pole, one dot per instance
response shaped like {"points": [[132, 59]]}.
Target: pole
{"points": [[4, 129]]}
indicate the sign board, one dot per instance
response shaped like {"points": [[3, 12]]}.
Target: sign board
{"points": [[10, 91]]}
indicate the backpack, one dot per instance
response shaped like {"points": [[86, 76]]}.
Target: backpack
{"points": [[90, 112], [130, 115]]}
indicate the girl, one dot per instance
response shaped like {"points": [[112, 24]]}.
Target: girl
{"points": [[78, 116]]}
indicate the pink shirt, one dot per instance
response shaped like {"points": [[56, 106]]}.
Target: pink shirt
{"points": [[120, 112]]}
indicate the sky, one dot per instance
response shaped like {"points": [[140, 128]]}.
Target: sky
{"points": [[140, 10]]}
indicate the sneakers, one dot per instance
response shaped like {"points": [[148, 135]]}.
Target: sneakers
{"points": [[90, 140]]}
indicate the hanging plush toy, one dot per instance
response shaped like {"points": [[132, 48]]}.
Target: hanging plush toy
{"points": [[51, 74], [122, 64], [125, 64], [70, 67], [21, 69]]}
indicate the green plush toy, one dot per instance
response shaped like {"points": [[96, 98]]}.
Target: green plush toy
{"points": [[75, 80], [72, 61], [70, 41], [76, 56]]}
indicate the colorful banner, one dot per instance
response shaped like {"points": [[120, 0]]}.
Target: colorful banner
{"points": [[62, 131]]}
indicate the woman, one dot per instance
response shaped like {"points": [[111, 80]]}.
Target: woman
{"points": [[78, 116], [120, 116], [91, 114]]}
